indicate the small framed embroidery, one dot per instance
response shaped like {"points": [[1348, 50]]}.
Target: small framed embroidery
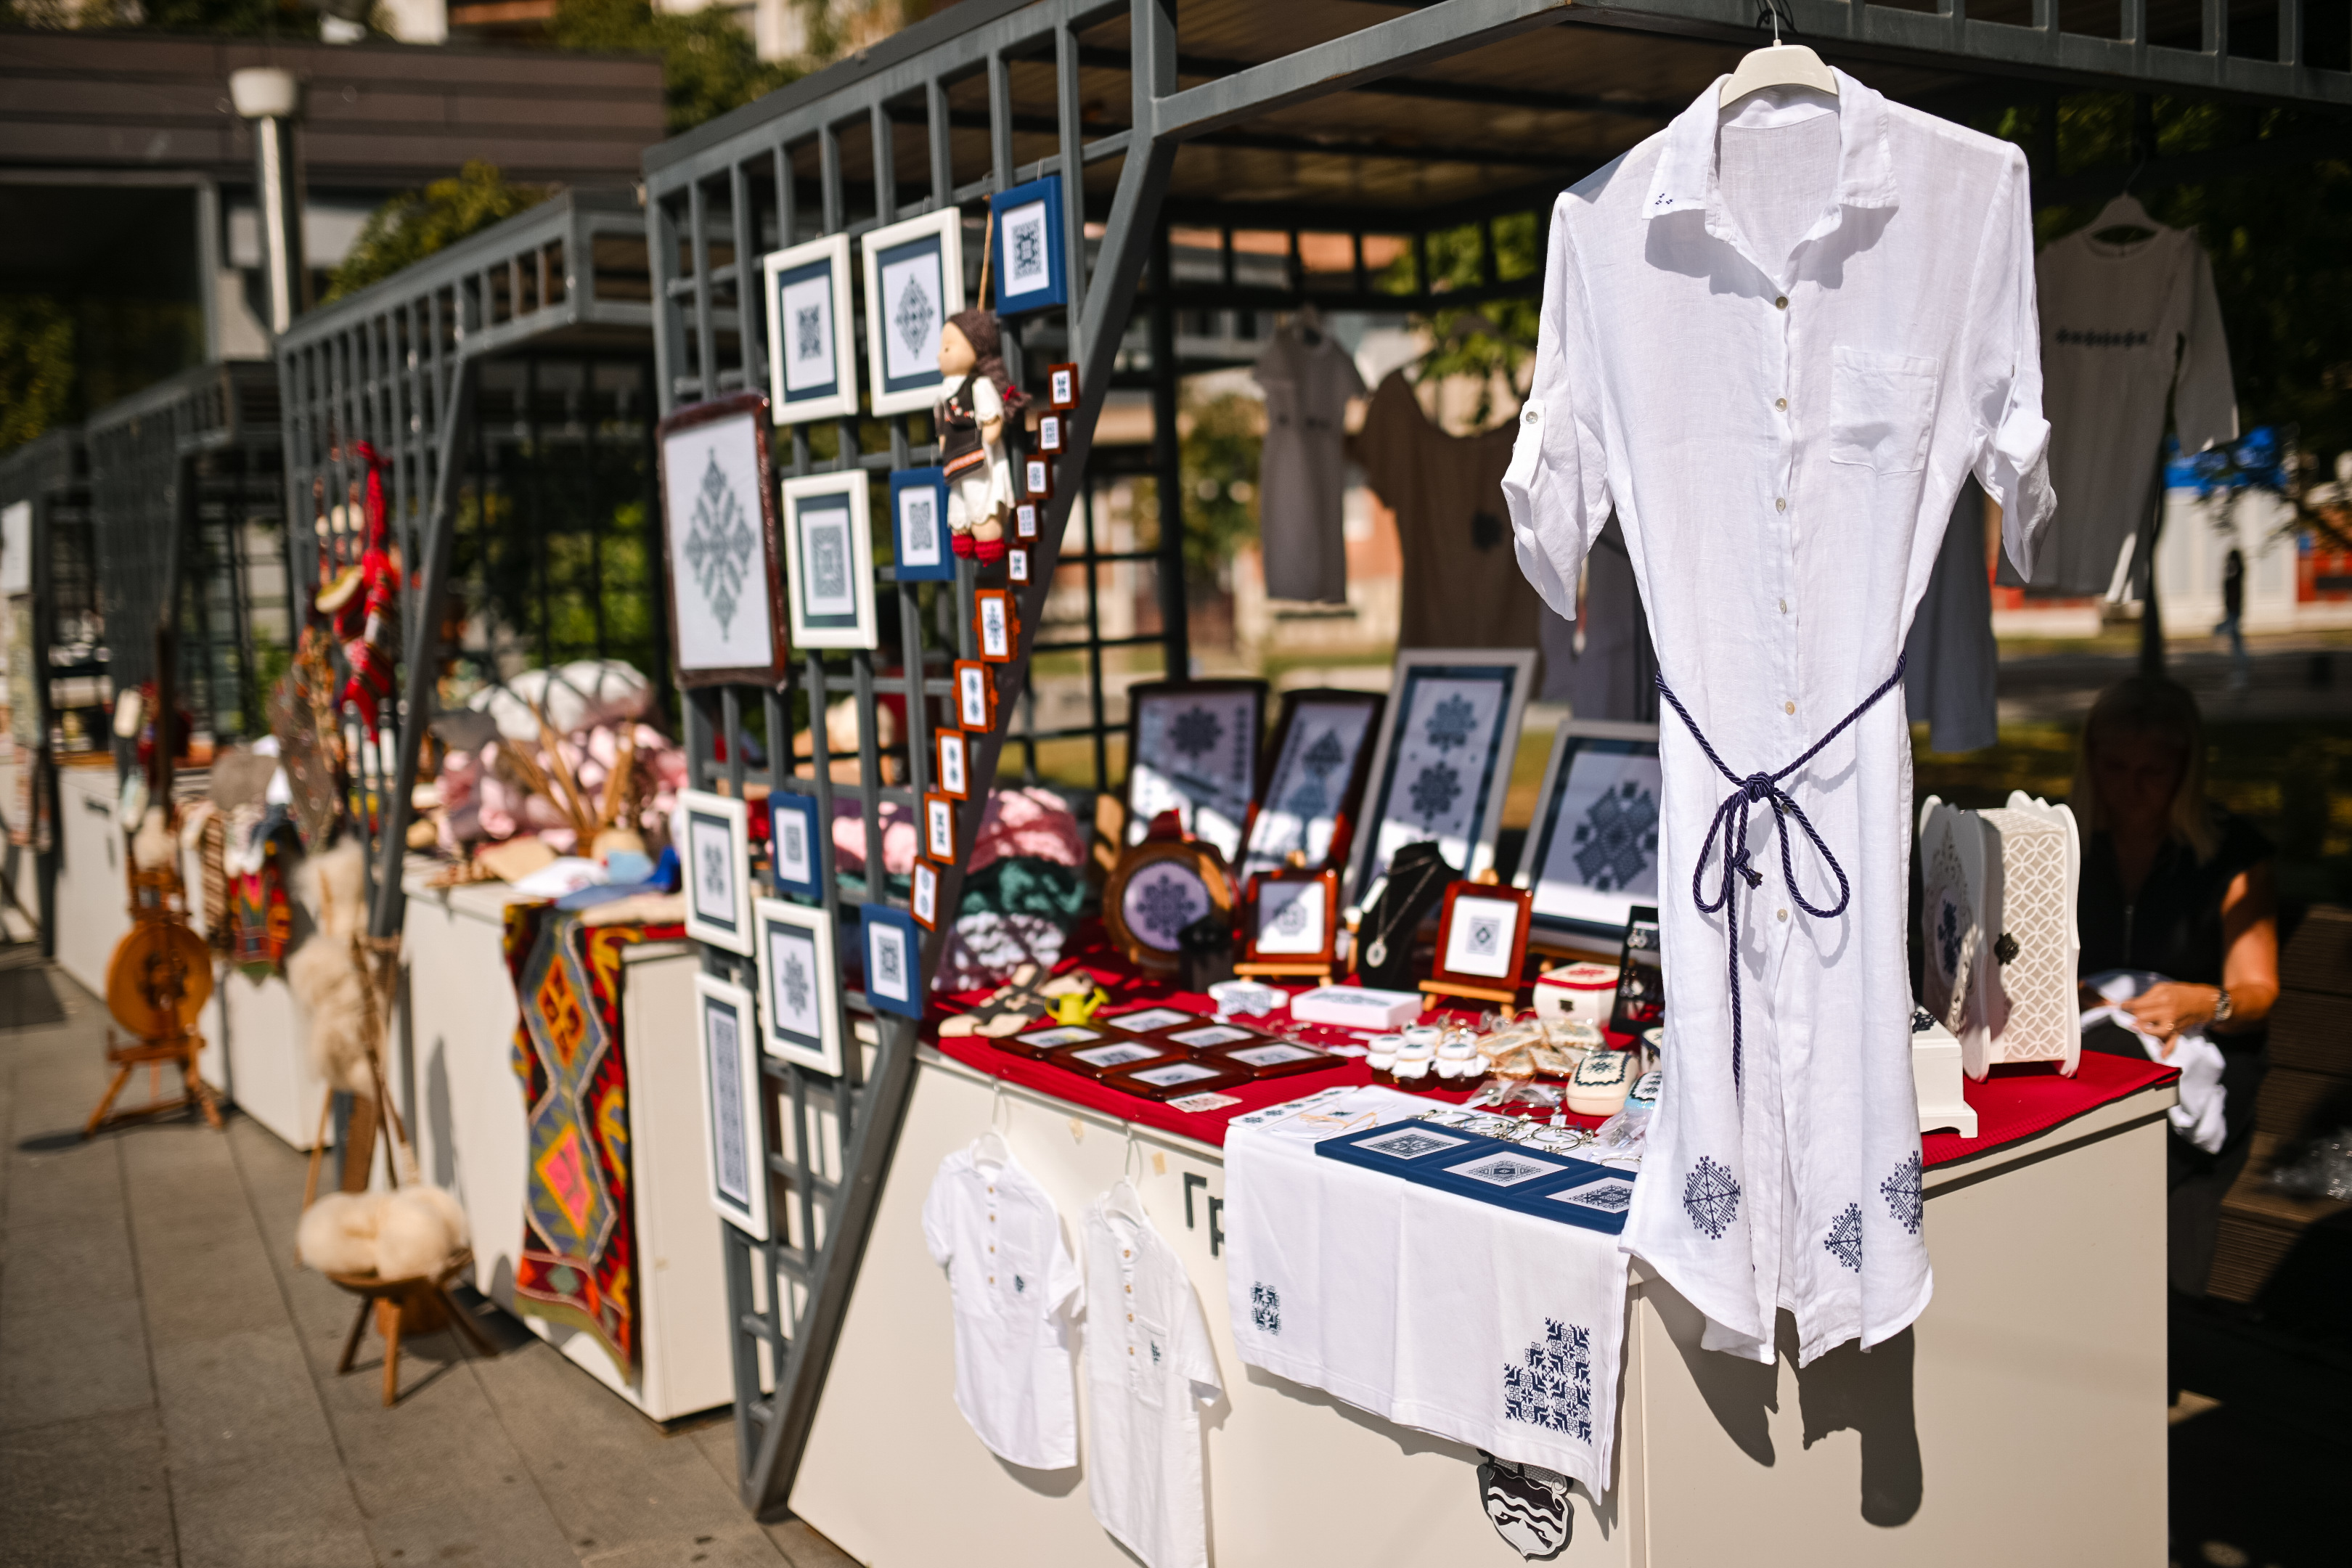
{"points": [[1062, 387], [1482, 938], [1172, 1081], [719, 535], [918, 526], [1443, 763], [1312, 783], [1031, 262], [1291, 916], [1591, 854], [717, 863], [799, 1018], [1049, 434], [894, 961], [975, 691], [1037, 478], [914, 282], [734, 1134], [940, 828], [1016, 566], [1274, 1058], [954, 760], [812, 361], [1109, 1056], [923, 895], [1193, 748], [1025, 521], [1155, 892], [792, 840], [829, 559], [1155, 1020], [996, 623]]}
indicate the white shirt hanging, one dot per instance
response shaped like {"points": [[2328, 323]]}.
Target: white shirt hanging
{"points": [[1149, 1368], [1776, 339], [1307, 379], [1015, 1288]]}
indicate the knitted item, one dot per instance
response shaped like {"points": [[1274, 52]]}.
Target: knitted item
{"points": [[990, 551], [960, 541]]}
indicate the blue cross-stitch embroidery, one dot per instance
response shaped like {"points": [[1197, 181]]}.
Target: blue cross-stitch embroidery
{"points": [[1617, 837], [1028, 251], [1552, 1387], [1904, 1199], [1435, 791], [1266, 1309], [719, 546], [808, 332], [1155, 1352], [1195, 732], [1844, 1239], [1947, 939], [1167, 906], [915, 315], [1711, 1198], [795, 980], [1449, 723], [1019, 1284]]}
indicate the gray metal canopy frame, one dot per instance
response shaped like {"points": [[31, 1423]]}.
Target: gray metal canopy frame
{"points": [[390, 367], [51, 475], [1335, 115]]}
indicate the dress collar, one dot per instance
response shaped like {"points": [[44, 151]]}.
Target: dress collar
{"points": [[1685, 182]]}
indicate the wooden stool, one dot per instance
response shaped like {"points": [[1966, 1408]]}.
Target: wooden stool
{"points": [[419, 1305]]}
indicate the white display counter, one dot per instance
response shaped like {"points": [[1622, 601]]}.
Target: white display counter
{"points": [[2021, 1420], [453, 1037], [93, 898]]}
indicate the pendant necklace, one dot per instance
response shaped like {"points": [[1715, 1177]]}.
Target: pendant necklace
{"points": [[1377, 953]]}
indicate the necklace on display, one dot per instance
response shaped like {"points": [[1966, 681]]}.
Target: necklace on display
{"points": [[1377, 953]]}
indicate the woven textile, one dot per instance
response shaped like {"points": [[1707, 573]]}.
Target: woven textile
{"points": [[259, 919], [579, 1257]]}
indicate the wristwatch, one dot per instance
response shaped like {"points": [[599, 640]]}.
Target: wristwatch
{"points": [[2222, 1007]]}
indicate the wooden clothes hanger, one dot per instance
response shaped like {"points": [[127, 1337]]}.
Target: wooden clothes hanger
{"points": [[1779, 64]]}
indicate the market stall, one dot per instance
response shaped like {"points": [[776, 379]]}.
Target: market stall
{"points": [[55, 661]]}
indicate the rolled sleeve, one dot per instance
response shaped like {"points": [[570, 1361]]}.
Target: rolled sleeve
{"points": [[1556, 487], [2012, 451]]}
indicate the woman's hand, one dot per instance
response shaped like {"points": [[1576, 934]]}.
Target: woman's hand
{"points": [[2170, 1007], [993, 430]]}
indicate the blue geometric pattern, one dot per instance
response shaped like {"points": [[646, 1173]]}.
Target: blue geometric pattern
{"points": [[1435, 790], [1449, 723], [1266, 1309], [1552, 1388], [1844, 1239], [1711, 1198], [1904, 1199]]}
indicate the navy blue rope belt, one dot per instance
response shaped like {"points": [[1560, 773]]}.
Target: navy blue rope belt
{"points": [[1731, 825]]}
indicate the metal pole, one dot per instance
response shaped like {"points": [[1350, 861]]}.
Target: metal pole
{"points": [[1167, 459], [267, 96]]}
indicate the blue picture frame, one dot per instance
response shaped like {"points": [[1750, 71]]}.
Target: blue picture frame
{"points": [[1029, 260], [892, 947], [918, 526], [793, 821]]}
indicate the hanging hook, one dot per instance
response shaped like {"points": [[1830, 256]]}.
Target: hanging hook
{"points": [[1770, 12]]}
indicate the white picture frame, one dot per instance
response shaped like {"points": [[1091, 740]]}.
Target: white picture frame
{"points": [[811, 347], [1306, 933], [715, 856], [1479, 935], [799, 1012], [924, 254], [1493, 683], [734, 1136], [829, 561], [1588, 861]]}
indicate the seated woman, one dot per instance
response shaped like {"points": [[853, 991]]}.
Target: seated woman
{"points": [[2174, 886]]}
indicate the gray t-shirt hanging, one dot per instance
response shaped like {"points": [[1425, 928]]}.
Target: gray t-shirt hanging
{"points": [[1302, 477]]}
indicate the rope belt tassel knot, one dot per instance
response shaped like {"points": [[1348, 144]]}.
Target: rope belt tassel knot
{"points": [[1730, 825]]}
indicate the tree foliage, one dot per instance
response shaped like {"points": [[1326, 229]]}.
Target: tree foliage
{"points": [[235, 18], [415, 224], [37, 366], [709, 63], [1488, 341]]}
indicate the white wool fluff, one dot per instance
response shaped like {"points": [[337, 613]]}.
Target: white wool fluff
{"points": [[324, 977], [576, 696], [338, 1233], [420, 1229], [152, 846], [332, 885]]}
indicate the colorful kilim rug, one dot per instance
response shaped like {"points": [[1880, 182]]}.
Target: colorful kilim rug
{"points": [[579, 1258]]}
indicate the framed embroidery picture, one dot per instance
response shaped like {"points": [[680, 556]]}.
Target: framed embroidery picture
{"points": [[975, 694], [792, 840], [996, 624], [1482, 940], [1193, 748], [811, 364], [1443, 763], [799, 1020], [1037, 478], [1591, 852], [918, 526], [1155, 892], [1016, 566], [829, 561], [1049, 434], [716, 859], [923, 895], [735, 1140], [954, 762], [914, 282], [1062, 387], [1314, 785], [940, 828], [1031, 263], [1291, 918], [1025, 521], [718, 535], [894, 961]]}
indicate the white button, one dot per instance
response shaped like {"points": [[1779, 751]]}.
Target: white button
{"points": [[1780, 503], [1784, 914], [1530, 417], [1779, 403]]}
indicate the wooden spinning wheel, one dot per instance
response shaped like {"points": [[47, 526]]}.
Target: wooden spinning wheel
{"points": [[157, 984]]}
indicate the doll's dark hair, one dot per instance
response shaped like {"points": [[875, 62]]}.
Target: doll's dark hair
{"points": [[979, 329]]}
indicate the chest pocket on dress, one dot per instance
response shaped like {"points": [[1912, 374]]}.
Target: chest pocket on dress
{"points": [[1147, 1371], [1882, 410]]}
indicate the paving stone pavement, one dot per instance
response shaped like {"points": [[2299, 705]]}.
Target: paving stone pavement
{"points": [[167, 1385]]}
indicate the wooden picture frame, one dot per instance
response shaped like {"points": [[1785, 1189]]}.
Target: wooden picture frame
{"points": [[1311, 785], [796, 853], [1036, 477], [918, 526], [914, 282], [952, 774], [1290, 922], [1031, 265], [995, 625], [800, 1002], [716, 860], [1062, 385], [1275, 1058], [892, 947], [923, 894], [1024, 520], [1205, 1035], [1176, 1080], [811, 344], [940, 828], [1049, 434], [720, 536], [1016, 566], [1043, 1039], [975, 696], [1192, 746], [1155, 892], [735, 1144], [1443, 765], [1152, 1020], [829, 561], [1591, 852], [1119, 1052], [1482, 942]]}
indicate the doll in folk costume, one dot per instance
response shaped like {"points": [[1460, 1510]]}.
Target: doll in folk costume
{"points": [[363, 603], [970, 421]]}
